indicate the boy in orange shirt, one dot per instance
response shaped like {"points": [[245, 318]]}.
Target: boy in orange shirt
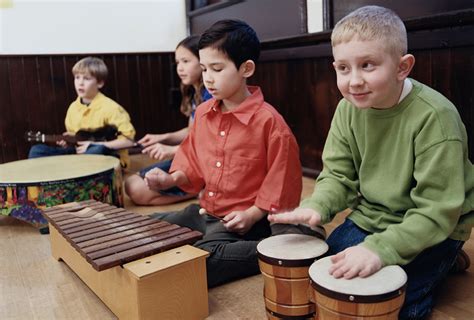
{"points": [[240, 152]]}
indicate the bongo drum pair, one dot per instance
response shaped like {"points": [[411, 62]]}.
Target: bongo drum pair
{"points": [[298, 287], [29, 186]]}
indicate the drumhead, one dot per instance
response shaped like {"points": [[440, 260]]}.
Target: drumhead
{"points": [[385, 284], [55, 168], [293, 250]]}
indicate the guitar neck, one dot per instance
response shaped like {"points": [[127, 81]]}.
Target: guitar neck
{"points": [[56, 137], [52, 138]]}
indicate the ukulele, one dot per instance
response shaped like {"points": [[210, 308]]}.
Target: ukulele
{"points": [[106, 133]]}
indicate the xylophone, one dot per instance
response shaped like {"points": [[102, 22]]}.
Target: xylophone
{"points": [[140, 267]]}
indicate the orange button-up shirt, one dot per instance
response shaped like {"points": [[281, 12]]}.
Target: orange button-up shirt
{"points": [[244, 157]]}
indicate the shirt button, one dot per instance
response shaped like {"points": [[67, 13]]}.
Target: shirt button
{"points": [[218, 164], [211, 194], [222, 133]]}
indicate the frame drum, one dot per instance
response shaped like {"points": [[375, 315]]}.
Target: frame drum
{"points": [[29, 186], [379, 296], [284, 261]]}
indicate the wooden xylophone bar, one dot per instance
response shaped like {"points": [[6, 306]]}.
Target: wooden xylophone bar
{"points": [[162, 283], [107, 236]]}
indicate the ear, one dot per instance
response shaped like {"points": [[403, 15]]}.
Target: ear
{"points": [[405, 65], [247, 68], [100, 84]]}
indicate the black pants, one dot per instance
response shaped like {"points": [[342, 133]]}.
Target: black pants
{"points": [[232, 256]]}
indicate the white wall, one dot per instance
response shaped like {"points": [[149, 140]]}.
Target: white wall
{"points": [[88, 26], [315, 15]]}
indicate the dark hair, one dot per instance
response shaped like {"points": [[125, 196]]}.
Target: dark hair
{"points": [[188, 92], [235, 38]]}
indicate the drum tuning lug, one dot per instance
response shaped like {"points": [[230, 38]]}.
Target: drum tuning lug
{"points": [[351, 298]]}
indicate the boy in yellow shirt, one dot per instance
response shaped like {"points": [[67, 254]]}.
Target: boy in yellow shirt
{"points": [[91, 111]]}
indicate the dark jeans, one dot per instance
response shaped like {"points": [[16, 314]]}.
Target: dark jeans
{"points": [[425, 272], [232, 256], [43, 150], [165, 166]]}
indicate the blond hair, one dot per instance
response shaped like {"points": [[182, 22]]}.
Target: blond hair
{"points": [[92, 65], [372, 23]]}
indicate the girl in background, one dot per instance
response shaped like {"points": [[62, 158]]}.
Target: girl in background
{"points": [[163, 147]]}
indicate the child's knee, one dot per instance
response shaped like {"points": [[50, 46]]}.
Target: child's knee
{"points": [[134, 187], [36, 151], [97, 149]]}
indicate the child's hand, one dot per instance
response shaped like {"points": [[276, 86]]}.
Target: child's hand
{"points": [[242, 221], [239, 222], [62, 143], [299, 215], [160, 151], [82, 146], [150, 139], [356, 261], [157, 179]]}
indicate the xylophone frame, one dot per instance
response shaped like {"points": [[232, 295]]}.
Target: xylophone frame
{"points": [[167, 285]]}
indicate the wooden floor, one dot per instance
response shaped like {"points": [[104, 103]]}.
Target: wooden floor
{"points": [[35, 286]]}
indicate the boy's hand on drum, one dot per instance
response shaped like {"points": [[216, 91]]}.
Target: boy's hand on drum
{"points": [[150, 139], [82, 146], [242, 221], [357, 261], [157, 179], [299, 215], [160, 151]]}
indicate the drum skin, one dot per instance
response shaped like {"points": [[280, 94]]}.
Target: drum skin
{"points": [[29, 186], [377, 297]]}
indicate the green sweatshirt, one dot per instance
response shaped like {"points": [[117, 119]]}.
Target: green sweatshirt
{"points": [[404, 171]]}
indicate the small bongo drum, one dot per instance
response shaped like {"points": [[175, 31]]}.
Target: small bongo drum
{"points": [[379, 296], [284, 261], [28, 186]]}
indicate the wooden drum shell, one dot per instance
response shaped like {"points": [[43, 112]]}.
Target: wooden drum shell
{"points": [[285, 290], [330, 308], [281, 311]]}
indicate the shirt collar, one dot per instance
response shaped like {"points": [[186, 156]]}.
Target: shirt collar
{"points": [[407, 86], [246, 109], [97, 97]]}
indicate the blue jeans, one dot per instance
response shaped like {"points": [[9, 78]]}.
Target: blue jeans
{"points": [[165, 166], [232, 256], [425, 272], [43, 150]]}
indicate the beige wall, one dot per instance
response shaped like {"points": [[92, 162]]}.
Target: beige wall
{"points": [[90, 26]]}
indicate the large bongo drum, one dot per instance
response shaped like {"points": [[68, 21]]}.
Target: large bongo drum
{"points": [[284, 261], [29, 186], [379, 296]]}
